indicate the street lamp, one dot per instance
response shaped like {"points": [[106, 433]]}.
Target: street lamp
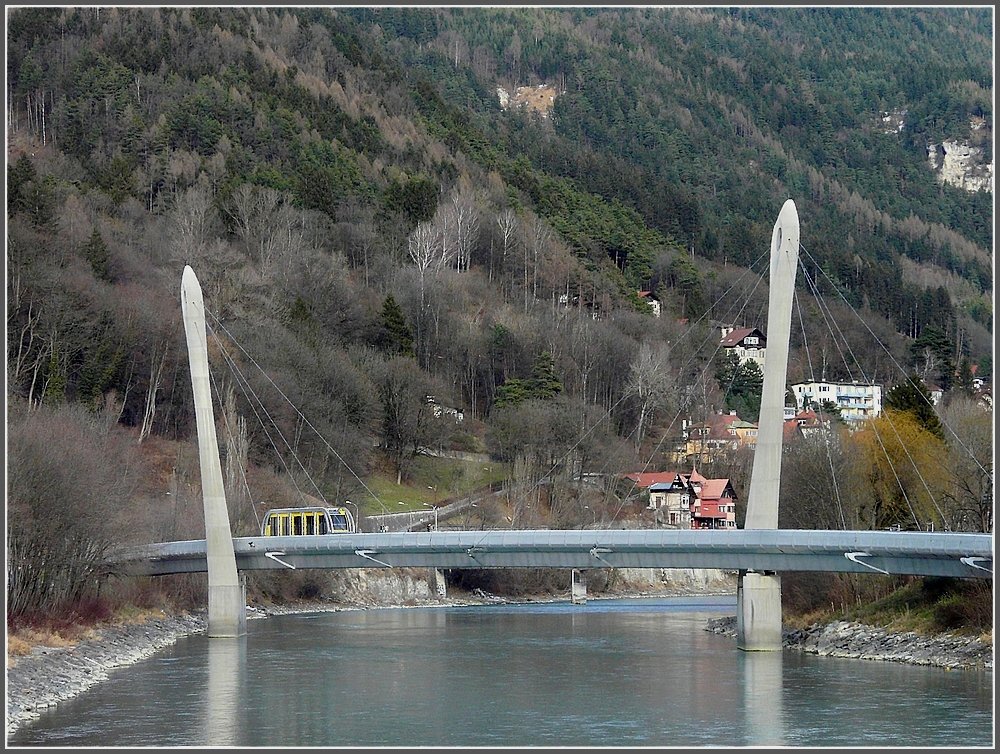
{"points": [[357, 515], [435, 514]]}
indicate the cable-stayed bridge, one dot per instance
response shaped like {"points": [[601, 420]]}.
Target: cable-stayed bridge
{"points": [[763, 550]]}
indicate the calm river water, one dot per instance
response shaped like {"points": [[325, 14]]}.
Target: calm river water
{"points": [[630, 672]]}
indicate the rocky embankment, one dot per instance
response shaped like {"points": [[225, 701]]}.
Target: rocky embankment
{"points": [[49, 675], [858, 641]]}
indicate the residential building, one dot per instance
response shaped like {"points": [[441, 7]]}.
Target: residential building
{"points": [[439, 409], [713, 503], [804, 424], [688, 501], [650, 298], [748, 343], [857, 401], [719, 432], [934, 391]]}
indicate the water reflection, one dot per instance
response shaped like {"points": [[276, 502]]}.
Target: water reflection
{"points": [[762, 698], [608, 673], [223, 696]]}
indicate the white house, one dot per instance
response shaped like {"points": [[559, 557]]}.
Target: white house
{"points": [[857, 401], [748, 343]]}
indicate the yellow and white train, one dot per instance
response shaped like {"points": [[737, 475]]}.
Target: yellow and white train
{"points": [[305, 521]]}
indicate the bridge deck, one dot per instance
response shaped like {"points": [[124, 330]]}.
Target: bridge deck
{"points": [[778, 550]]}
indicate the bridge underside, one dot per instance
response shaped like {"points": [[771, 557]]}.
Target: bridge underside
{"points": [[763, 551]]}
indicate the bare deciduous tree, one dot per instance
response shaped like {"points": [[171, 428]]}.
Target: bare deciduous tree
{"points": [[70, 475], [650, 381], [508, 224], [270, 228]]}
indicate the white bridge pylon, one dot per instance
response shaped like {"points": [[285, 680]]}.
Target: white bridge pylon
{"points": [[226, 597], [758, 595]]}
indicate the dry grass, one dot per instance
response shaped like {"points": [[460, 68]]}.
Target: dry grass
{"points": [[22, 641], [804, 620]]}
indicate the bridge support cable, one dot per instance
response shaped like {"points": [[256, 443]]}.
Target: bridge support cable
{"points": [[303, 417], [812, 376], [248, 390], [892, 425], [836, 287], [703, 374], [853, 557]]}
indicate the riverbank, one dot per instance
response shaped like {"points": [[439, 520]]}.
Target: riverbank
{"points": [[858, 641]]}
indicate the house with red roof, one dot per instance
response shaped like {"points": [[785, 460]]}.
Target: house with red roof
{"points": [[719, 432], [804, 424], [688, 501]]}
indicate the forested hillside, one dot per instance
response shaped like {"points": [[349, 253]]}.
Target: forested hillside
{"points": [[371, 227]]}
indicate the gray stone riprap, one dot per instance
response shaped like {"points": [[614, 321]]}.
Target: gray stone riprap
{"points": [[50, 675], [858, 641]]}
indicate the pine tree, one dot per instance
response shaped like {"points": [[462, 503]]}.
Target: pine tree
{"points": [[95, 251], [395, 335]]}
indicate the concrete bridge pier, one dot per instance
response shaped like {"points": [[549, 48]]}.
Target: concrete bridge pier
{"points": [[758, 612], [439, 583], [758, 596], [578, 587], [227, 615]]}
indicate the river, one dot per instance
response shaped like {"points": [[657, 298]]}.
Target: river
{"points": [[619, 673]]}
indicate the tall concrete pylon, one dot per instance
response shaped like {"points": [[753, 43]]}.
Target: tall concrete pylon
{"points": [[758, 595], [227, 615]]}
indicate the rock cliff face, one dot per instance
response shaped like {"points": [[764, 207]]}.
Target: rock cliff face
{"points": [[366, 586], [687, 580], [957, 163]]}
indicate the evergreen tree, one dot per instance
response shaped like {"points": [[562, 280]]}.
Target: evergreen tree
{"points": [[912, 397], [20, 173], [965, 376], [542, 385], [741, 384], [930, 356], [95, 251], [394, 335]]}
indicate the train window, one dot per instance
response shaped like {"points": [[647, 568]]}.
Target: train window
{"points": [[296, 524], [310, 523]]}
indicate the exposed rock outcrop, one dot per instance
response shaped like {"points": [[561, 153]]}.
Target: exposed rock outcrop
{"points": [[957, 163]]}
